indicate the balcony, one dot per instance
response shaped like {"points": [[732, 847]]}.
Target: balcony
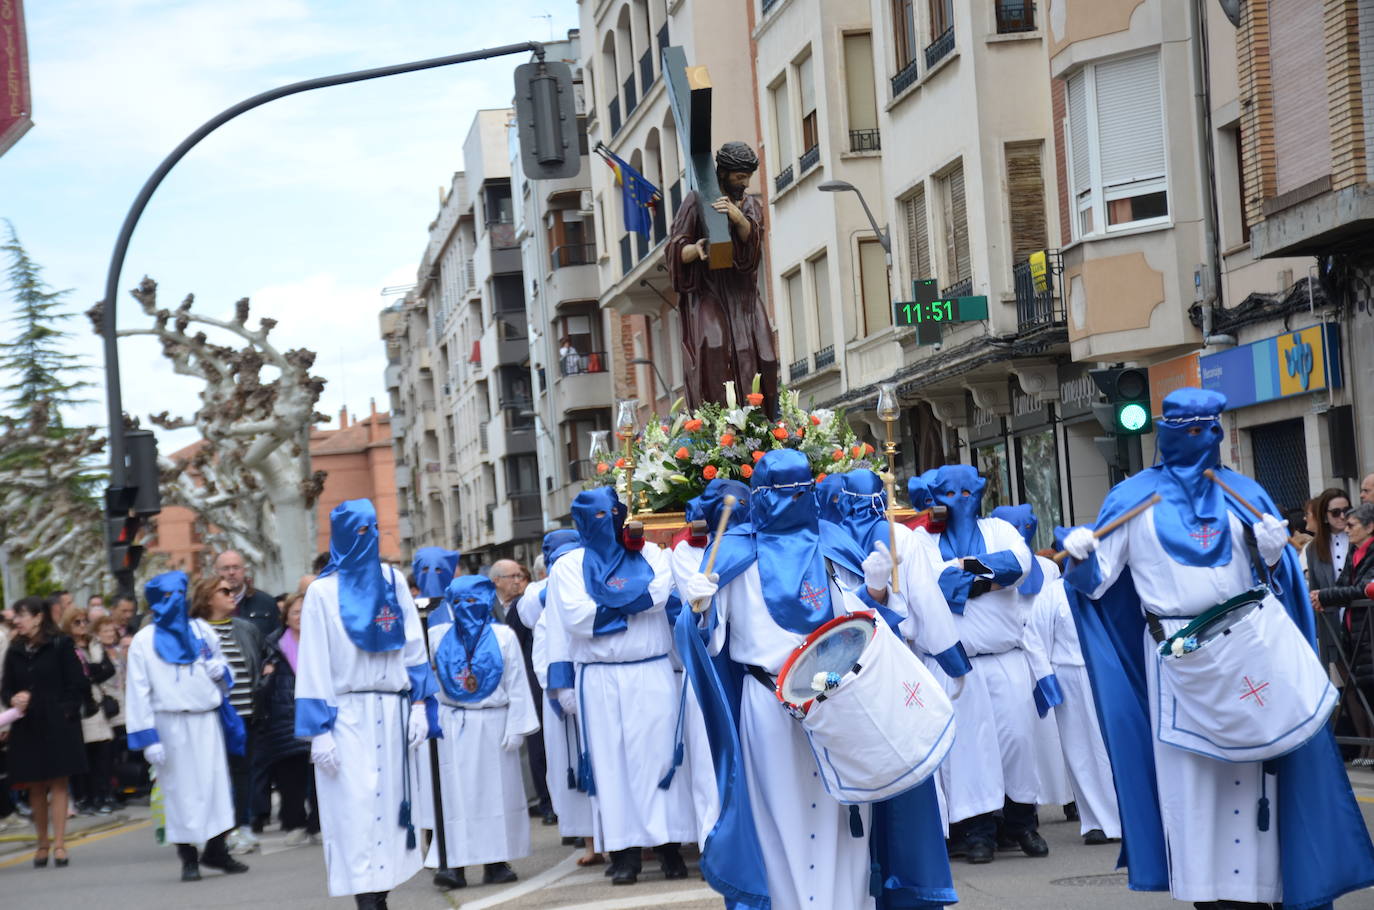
{"points": [[646, 70], [393, 375], [575, 364], [940, 48], [783, 180], [798, 369], [1013, 17], [403, 478], [584, 381], [1039, 304], [809, 158], [865, 140], [502, 235], [482, 432], [825, 357], [958, 289], [631, 100], [614, 111], [904, 79], [561, 257]]}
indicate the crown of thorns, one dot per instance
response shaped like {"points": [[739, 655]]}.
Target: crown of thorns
{"points": [[737, 156]]}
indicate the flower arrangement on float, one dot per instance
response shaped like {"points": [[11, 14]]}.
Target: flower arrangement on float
{"points": [[673, 458]]}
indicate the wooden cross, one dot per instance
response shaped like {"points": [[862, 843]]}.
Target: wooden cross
{"points": [[689, 95]]}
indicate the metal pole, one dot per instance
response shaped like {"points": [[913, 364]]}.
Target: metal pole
{"points": [[114, 400], [444, 877]]}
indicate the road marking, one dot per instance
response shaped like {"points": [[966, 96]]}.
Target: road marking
{"points": [[634, 903], [82, 839], [529, 886]]}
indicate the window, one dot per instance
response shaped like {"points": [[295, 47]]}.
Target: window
{"points": [[917, 236], [1025, 200], [782, 125], [1230, 178], [941, 17], [877, 300], [958, 266], [1116, 145], [904, 32], [806, 76], [796, 309], [820, 283], [860, 92]]}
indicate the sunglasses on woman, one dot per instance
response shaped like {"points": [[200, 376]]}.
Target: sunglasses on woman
{"points": [[1338, 512]]}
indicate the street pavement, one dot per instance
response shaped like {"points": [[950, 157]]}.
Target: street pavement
{"points": [[115, 865]]}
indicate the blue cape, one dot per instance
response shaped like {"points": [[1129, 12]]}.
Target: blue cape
{"points": [[616, 578], [469, 649], [367, 602], [172, 638], [1323, 843], [434, 568]]}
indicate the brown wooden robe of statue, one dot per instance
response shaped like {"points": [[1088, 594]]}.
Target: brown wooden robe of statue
{"points": [[726, 334]]}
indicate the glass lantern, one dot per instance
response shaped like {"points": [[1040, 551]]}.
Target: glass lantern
{"points": [[888, 409], [627, 418], [599, 446]]}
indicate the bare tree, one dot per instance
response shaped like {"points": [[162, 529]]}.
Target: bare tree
{"points": [[251, 478]]}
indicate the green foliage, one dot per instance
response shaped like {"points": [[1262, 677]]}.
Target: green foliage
{"points": [[40, 370], [38, 580]]}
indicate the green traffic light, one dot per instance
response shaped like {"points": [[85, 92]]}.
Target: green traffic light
{"points": [[1133, 417]]}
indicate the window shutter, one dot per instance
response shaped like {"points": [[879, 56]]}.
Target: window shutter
{"points": [[959, 261], [806, 75], [1081, 177], [782, 125], [820, 280], [1130, 120], [917, 236], [796, 311], [1025, 200]]}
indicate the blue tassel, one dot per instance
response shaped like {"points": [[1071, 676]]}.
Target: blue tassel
{"points": [[572, 779], [586, 781], [1263, 819], [856, 822], [875, 880], [672, 770], [410, 837], [404, 820]]}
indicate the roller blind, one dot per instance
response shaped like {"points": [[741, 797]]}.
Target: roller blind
{"points": [[1078, 132], [1130, 120]]}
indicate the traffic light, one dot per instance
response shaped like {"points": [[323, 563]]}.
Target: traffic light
{"points": [[127, 507], [546, 120], [1128, 393]]}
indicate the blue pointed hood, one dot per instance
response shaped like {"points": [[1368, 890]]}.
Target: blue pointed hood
{"points": [[959, 488], [1192, 522], [616, 578], [708, 505], [1023, 519], [434, 568], [918, 492], [367, 603], [469, 656], [830, 497], [787, 526], [172, 636], [865, 509], [554, 541]]}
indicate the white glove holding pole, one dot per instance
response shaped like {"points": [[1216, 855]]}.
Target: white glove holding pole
{"points": [[324, 754], [417, 731], [877, 567], [155, 754], [701, 587], [1271, 536], [1080, 543], [567, 700]]}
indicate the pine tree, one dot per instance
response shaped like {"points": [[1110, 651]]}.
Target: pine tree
{"points": [[40, 369]]}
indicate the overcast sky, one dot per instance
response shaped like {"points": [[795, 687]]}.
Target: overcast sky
{"points": [[309, 206]]}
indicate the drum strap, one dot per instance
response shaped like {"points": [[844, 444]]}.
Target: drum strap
{"points": [[759, 673]]}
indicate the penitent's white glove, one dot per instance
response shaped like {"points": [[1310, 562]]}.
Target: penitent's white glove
{"points": [[155, 754], [958, 687], [700, 587], [324, 754], [418, 728], [1271, 536], [567, 700], [216, 669], [512, 743], [877, 567], [1080, 543]]}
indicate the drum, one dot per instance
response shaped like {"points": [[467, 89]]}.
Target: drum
{"points": [[877, 721]]}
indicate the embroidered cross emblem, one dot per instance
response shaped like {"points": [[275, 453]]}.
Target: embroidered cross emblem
{"points": [[913, 695], [616, 583], [1253, 689], [812, 595], [1205, 535], [386, 619]]}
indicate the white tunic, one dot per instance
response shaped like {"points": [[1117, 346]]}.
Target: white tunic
{"points": [[181, 702], [572, 806], [1055, 789], [811, 858], [993, 756], [628, 705], [485, 817], [1216, 852], [364, 846]]}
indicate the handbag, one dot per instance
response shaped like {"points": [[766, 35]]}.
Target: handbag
{"points": [[109, 706], [89, 708]]}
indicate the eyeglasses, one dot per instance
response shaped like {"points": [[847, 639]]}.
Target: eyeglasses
{"points": [[1338, 512], [229, 591]]}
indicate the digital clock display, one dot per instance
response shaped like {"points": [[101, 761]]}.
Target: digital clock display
{"points": [[917, 312]]}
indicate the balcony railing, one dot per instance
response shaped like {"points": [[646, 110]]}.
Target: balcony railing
{"points": [[809, 158], [525, 506], [631, 100], [783, 180], [865, 140], [572, 254], [614, 110], [511, 330], [675, 195], [646, 70], [1036, 306], [940, 48], [502, 235], [958, 289], [799, 369], [825, 357], [626, 254], [904, 78], [573, 364], [1015, 16]]}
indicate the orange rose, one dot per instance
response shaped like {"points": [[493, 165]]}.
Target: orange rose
{"points": [[682, 453], [779, 432], [754, 398], [815, 421], [757, 454], [728, 439], [602, 467], [856, 451], [801, 431], [620, 462], [837, 455], [821, 476], [692, 425], [868, 447], [746, 471], [709, 472]]}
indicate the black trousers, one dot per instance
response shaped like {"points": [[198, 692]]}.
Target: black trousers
{"points": [[100, 760], [534, 743], [241, 780], [296, 782], [1017, 819]]}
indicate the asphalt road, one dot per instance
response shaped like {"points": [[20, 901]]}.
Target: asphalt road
{"points": [[121, 868]]}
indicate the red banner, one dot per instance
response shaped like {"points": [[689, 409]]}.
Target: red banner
{"points": [[15, 108]]}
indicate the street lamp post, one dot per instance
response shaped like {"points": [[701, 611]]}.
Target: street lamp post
{"points": [[844, 186]]}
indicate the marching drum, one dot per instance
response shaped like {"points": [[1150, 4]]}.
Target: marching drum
{"points": [[877, 721]]}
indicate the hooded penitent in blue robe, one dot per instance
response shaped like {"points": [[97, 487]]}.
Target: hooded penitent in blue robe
{"points": [[959, 488], [790, 544], [368, 607], [434, 568], [1324, 846], [469, 658], [616, 577]]}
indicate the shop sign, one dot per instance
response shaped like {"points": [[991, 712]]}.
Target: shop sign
{"points": [[1027, 411], [986, 426], [1170, 376], [1077, 392], [15, 112], [1294, 363]]}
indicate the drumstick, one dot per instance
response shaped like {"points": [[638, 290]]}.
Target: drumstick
{"points": [[888, 480], [728, 507], [1112, 525], [1226, 488]]}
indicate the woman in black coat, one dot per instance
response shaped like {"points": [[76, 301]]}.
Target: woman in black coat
{"points": [[276, 750], [1350, 586], [44, 677]]}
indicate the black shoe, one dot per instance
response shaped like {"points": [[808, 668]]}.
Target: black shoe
{"points": [[448, 879], [671, 861], [258, 824], [1071, 812], [366, 901], [1032, 844], [228, 865], [1096, 838], [627, 865], [1005, 842], [956, 847], [571, 841], [498, 874], [40, 862], [979, 852], [61, 862], [190, 862], [190, 872], [550, 819]]}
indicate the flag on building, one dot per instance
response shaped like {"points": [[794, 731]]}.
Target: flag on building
{"points": [[638, 195]]}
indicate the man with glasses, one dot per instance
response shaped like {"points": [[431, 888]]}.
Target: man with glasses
{"points": [[258, 607], [511, 579]]}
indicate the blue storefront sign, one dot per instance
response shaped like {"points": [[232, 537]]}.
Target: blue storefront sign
{"points": [[1294, 363]]}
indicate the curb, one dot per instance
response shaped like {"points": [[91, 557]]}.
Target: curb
{"points": [[10, 843]]}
